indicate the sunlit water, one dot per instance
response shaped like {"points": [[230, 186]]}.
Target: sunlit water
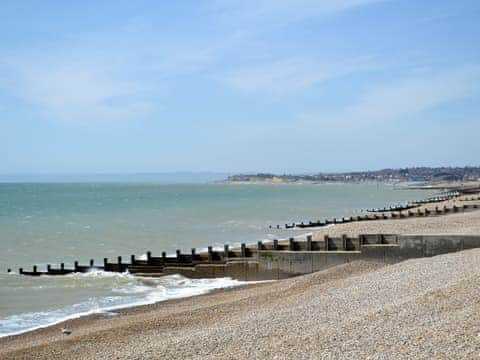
{"points": [[52, 223]]}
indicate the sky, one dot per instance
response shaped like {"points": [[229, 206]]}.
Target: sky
{"points": [[235, 86]]}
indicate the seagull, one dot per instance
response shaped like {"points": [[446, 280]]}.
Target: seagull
{"points": [[66, 332]]}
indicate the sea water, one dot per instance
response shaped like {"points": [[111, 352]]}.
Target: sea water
{"points": [[52, 223]]}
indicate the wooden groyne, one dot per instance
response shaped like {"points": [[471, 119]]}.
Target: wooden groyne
{"points": [[401, 214], [280, 259]]}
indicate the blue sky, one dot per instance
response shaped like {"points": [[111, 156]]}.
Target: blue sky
{"points": [[236, 86]]}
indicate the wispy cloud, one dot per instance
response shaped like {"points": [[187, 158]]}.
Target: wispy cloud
{"points": [[290, 75], [405, 98], [77, 92], [282, 12], [85, 85]]}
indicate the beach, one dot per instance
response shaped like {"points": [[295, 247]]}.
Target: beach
{"points": [[420, 308]]}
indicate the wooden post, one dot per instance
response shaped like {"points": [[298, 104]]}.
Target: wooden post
{"points": [[75, 265], [119, 260], [34, 268], [363, 239], [62, 266], [49, 267], [243, 249], [210, 253], [91, 262], [132, 259], [275, 244], [179, 255], [225, 251], [291, 244], [193, 252], [259, 246], [344, 242], [164, 257], [149, 257], [326, 239], [105, 263], [309, 242]]}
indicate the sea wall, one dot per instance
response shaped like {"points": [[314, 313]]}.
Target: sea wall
{"points": [[389, 249], [281, 259]]}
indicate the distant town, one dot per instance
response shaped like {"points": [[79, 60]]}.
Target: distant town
{"points": [[414, 174]]}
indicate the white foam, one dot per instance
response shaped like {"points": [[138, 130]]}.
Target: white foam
{"points": [[137, 291]]}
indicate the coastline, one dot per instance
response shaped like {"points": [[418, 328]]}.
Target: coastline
{"points": [[136, 319]]}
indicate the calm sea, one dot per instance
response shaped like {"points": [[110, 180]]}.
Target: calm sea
{"points": [[52, 223]]}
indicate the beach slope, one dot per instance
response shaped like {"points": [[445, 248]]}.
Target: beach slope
{"points": [[422, 308]]}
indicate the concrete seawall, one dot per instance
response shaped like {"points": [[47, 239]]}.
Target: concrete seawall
{"points": [[281, 259], [304, 257]]}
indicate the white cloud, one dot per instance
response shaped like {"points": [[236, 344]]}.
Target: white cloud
{"points": [[282, 12], [68, 89], [289, 75], [403, 99], [414, 95], [88, 86]]}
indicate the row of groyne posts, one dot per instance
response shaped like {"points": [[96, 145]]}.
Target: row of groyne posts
{"points": [[172, 264], [180, 262], [397, 212]]}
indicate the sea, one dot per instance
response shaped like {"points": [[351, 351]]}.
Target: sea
{"points": [[49, 223]]}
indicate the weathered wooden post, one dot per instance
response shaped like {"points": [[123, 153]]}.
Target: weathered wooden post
{"points": [[275, 244], [344, 242], [243, 250], [164, 257], [105, 264], [326, 242], [75, 265], [49, 267], [20, 271], [379, 239], [178, 255], [149, 257], [34, 269], [91, 262], [361, 239], [309, 242], [225, 251], [62, 267], [132, 259], [259, 246], [119, 260], [193, 252], [291, 244], [210, 253]]}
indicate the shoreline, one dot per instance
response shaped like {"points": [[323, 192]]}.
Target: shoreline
{"points": [[360, 303], [460, 223]]}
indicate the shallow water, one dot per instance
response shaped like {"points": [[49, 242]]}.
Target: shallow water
{"points": [[52, 223]]}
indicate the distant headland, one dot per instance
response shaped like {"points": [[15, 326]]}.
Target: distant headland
{"points": [[429, 175]]}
